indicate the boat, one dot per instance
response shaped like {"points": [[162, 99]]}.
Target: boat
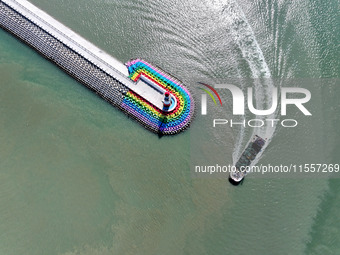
{"points": [[249, 154]]}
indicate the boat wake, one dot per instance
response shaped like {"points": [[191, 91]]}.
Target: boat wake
{"points": [[262, 82]]}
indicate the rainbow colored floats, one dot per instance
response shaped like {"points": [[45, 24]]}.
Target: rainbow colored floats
{"points": [[178, 104]]}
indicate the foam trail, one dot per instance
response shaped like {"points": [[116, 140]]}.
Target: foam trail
{"points": [[263, 84]]}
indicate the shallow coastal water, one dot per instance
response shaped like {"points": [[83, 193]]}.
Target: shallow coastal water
{"points": [[78, 177]]}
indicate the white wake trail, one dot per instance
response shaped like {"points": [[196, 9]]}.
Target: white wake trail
{"points": [[263, 84]]}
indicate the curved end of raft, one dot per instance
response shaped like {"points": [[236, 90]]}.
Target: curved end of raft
{"points": [[169, 120]]}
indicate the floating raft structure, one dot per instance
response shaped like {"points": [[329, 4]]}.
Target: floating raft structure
{"points": [[168, 120], [145, 93]]}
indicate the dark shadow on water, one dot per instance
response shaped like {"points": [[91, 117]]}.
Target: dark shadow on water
{"points": [[235, 183], [163, 121]]}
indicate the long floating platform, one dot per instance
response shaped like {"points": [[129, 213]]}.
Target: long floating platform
{"points": [[155, 99]]}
